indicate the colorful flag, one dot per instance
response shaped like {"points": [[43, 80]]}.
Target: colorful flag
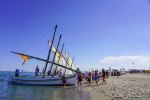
{"points": [[59, 55], [25, 58]]}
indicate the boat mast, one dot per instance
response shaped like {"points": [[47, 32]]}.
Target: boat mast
{"points": [[72, 64], [61, 54], [49, 52], [55, 53], [67, 63]]}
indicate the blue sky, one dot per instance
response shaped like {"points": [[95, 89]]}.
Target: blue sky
{"points": [[93, 30]]}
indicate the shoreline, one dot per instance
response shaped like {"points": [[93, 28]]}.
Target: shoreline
{"points": [[95, 95]]}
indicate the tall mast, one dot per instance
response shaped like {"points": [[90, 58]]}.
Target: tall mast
{"points": [[61, 54], [55, 53], [72, 64], [67, 61], [49, 52]]}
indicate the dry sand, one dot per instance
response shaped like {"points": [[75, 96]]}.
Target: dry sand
{"points": [[126, 87]]}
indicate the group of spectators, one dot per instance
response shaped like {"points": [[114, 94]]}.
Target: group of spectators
{"points": [[96, 76]]}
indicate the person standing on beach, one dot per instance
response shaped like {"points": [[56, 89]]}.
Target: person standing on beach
{"points": [[103, 76], [79, 78], [93, 73], [89, 77], [64, 80], [96, 76], [86, 76], [107, 74]]}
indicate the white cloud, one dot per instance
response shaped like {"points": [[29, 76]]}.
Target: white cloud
{"points": [[140, 62]]}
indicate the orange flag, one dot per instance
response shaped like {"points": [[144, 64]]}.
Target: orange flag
{"points": [[25, 58]]}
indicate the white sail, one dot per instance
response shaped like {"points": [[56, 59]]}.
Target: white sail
{"points": [[70, 62], [61, 60], [53, 48]]}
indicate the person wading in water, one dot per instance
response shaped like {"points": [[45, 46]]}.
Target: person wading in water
{"points": [[79, 78], [64, 80]]}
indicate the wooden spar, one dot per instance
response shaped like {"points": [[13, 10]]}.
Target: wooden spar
{"points": [[72, 64], [49, 52], [61, 54], [40, 59], [64, 58], [66, 61], [55, 53], [72, 61]]}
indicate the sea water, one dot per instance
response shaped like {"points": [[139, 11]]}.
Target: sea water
{"points": [[10, 91]]}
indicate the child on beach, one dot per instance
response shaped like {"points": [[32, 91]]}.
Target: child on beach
{"points": [[64, 80]]}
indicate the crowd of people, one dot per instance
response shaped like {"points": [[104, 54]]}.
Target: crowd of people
{"points": [[96, 76], [92, 76], [55, 73]]}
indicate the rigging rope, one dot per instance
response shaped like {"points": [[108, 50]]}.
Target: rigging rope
{"points": [[36, 41]]}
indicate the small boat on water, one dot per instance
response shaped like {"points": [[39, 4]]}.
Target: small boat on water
{"points": [[48, 81], [58, 61]]}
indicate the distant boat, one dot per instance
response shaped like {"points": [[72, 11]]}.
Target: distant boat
{"points": [[59, 61]]}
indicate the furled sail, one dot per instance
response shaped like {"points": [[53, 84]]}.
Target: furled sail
{"points": [[70, 62], [62, 60], [53, 48], [58, 54]]}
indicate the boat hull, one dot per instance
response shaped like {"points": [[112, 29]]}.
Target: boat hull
{"points": [[51, 81]]}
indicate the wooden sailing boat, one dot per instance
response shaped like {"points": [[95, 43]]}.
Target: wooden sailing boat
{"points": [[48, 80]]}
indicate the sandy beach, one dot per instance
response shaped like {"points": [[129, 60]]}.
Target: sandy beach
{"points": [[126, 87]]}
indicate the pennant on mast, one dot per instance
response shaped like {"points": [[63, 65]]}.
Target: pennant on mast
{"points": [[58, 54], [25, 58]]}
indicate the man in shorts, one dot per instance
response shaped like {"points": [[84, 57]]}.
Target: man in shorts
{"points": [[64, 80]]}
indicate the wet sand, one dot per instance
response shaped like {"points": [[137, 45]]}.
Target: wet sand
{"points": [[95, 95], [87, 93]]}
